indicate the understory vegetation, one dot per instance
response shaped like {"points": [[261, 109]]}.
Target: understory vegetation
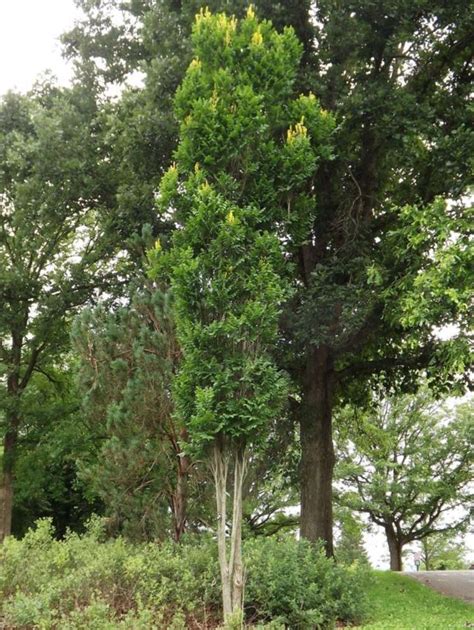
{"points": [[85, 581]]}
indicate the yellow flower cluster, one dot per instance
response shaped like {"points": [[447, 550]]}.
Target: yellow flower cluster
{"points": [[214, 100], [230, 218], [250, 12], [195, 64], [257, 38], [204, 14], [298, 131], [205, 188]]}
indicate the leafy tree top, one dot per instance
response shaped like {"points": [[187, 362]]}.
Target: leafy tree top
{"points": [[248, 148]]}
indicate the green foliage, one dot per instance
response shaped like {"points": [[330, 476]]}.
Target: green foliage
{"points": [[350, 544], [243, 161], [407, 463], [444, 550], [293, 582], [52, 442], [83, 582], [126, 361]]}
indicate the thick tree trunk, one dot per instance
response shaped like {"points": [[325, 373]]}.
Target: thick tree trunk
{"points": [[395, 547], [6, 486], [9, 450], [317, 451], [231, 568]]}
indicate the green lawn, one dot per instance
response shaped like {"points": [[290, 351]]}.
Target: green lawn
{"points": [[400, 603]]}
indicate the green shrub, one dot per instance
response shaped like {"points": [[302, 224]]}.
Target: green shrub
{"points": [[86, 582], [293, 582]]}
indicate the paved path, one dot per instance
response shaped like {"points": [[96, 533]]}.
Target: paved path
{"points": [[458, 584]]}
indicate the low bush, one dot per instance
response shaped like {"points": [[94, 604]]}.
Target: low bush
{"points": [[85, 582]]}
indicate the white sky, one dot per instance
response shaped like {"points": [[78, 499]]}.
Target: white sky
{"points": [[29, 45]]}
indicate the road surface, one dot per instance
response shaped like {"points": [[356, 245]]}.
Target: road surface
{"points": [[458, 584]]}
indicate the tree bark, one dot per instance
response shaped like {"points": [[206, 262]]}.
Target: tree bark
{"points": [[236, 563], [6, 486], [231, 567], [395, 547], [179, 498], [317, 451], [220, 467], [9, 446]]}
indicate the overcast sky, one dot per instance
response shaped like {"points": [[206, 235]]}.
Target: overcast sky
{"points": [[29, 32]]}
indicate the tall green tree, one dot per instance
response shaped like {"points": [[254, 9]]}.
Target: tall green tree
{"points": [[52, 255], [408, 466], [237, 189]]}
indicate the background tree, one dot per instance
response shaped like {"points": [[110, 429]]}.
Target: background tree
{"points": [[408, 466], [53, 439], [127, 360], [53, 258], [444, 550], [350, 543]]}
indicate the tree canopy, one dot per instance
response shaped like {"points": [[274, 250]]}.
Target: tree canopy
{"points": [[408, 465]]}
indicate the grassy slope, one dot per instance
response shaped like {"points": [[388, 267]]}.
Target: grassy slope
{"points": [[400, 603]]}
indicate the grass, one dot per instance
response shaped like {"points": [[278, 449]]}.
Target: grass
{"points": [[400, 603]]}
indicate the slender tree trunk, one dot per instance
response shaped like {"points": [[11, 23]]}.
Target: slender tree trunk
{"points": [[179, 499], [395, 547], [236, 563], [317, 451], [426, 554], [231, 566], [220, 467]]}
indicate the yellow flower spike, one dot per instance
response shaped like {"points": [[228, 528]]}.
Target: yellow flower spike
{"points": [[324, 113], [197, 167], [299, 130], [250, 12], [257, 38], [204, 14], [195, 64], [205, 188], [158, 246], [173, 167], [214, 100], [230, 218]]}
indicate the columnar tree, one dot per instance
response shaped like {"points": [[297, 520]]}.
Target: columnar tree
{"points": [[52, 256], [407, 465], [237, 195]]}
